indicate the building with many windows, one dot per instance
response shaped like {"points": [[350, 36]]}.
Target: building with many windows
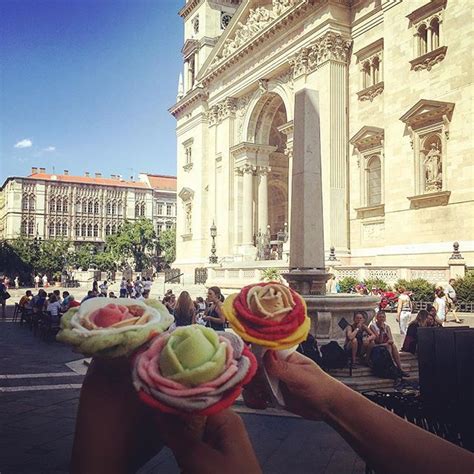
{"points": [[395, 101], [83, 208]]}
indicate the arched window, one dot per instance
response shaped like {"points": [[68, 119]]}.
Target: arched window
{"points": [[107, 229], [374, 181], [422, 40], [119, 209], [32, 203], [78, 230], [96, 207], [52, 205], [24, 227], [114, 208], [58, 229], [59, 205], [108, 208], [31, 227], [64, 229], [137, 210], [434, 26], [89, 207], [375, 70], [96, 230], [142, 209], [51, 229], [83, 230], [114, 229], [84, 207], [366, 75], [89, 230]]}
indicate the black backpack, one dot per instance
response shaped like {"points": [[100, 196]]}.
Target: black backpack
{"points": [[309, 348], [382, 364], [333, 356]]}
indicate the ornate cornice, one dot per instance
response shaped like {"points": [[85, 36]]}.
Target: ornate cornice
{"points": [[188, 8], [224, 109], [264, 23], [329, 47], [428, 60], [369, 93], [367, 137], [426, 112], [197, 94]]}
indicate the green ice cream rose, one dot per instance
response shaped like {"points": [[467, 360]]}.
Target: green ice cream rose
{"points": [[193, 355]]}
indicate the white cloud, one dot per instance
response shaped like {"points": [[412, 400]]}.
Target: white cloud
{"points": [[25, 143], [49, 148]]}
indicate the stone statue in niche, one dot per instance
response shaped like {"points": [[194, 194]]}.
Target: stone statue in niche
{"points": [[188, 217], [433, 169]]}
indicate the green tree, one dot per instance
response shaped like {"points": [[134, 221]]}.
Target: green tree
{"points": [[133, 244], [53, 256], [167, 245], [465, 287], [421, 289], [347, 284], [82, 256]]}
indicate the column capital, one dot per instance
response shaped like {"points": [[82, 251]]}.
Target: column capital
{"points": [[263, 170]]}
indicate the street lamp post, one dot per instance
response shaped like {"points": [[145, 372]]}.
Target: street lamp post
{"points": [[213, 256]]}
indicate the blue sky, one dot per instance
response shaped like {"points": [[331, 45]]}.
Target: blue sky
{"points": [[86, 84]]}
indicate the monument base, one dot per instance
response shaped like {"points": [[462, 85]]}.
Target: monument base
{"points": [[327, 311], [307, 281]]}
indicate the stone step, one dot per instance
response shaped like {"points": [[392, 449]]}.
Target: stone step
{"points": [[361, 384], [367, 371]]}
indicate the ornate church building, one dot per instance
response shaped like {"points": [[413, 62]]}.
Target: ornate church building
{"points": [[395, 96]]}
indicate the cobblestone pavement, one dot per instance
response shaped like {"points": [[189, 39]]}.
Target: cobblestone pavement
{"points": [[38, 401]]}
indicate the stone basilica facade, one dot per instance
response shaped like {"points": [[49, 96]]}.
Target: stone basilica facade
{"points": [[395, 90]]}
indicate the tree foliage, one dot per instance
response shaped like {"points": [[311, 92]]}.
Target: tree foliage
{"points": [[375, 283], [133, 244], [464, 287], [346, 284], [167, 245], [422, 290]]}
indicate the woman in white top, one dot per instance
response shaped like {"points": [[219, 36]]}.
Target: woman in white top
{"points": [[54, 307], [440, 303], [404, 310]]}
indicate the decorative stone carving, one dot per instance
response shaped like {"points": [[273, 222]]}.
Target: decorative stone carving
{"points": [[433, 169], [369, 93], [428, 60], [222, 110], [258, 19], [263, 170], [331, 46]]}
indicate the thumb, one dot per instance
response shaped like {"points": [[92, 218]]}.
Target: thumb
{"points": [[277, 367]]}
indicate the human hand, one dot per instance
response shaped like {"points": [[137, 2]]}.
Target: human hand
{"points": [[225, 446], [306, 388], [114, 430]]}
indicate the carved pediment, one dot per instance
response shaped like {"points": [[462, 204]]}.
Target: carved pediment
{"points": [[367, 137], [186, 194], [189, 47], [426, 112], [250, 24]]}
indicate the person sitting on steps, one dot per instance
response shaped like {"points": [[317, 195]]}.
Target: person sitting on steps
{"points": [[359, 338], [383, 337]]}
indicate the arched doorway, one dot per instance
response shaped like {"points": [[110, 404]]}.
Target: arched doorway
{"points": [[264, 128]]}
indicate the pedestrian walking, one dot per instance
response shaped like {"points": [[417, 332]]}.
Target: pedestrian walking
{"points": [[123, 288], [45, 281], [37, 281], [404, 310], [452, 299], [17, 283]]}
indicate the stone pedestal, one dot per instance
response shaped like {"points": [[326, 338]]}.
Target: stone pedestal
{"points": [[457, 267], [326, 311]]}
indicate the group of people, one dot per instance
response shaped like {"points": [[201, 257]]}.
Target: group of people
{"points": [[141, 287], [53, 303], [207, 312]]}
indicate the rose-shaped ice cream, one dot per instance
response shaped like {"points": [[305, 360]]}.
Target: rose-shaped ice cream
{"points": [[193, 370], [113, 327], [268, 314]]}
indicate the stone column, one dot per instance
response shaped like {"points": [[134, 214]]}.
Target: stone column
{"points": [[262, 173], [247, 204]]}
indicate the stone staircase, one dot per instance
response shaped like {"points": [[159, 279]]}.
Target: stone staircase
{"points": [[362, 378]]}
